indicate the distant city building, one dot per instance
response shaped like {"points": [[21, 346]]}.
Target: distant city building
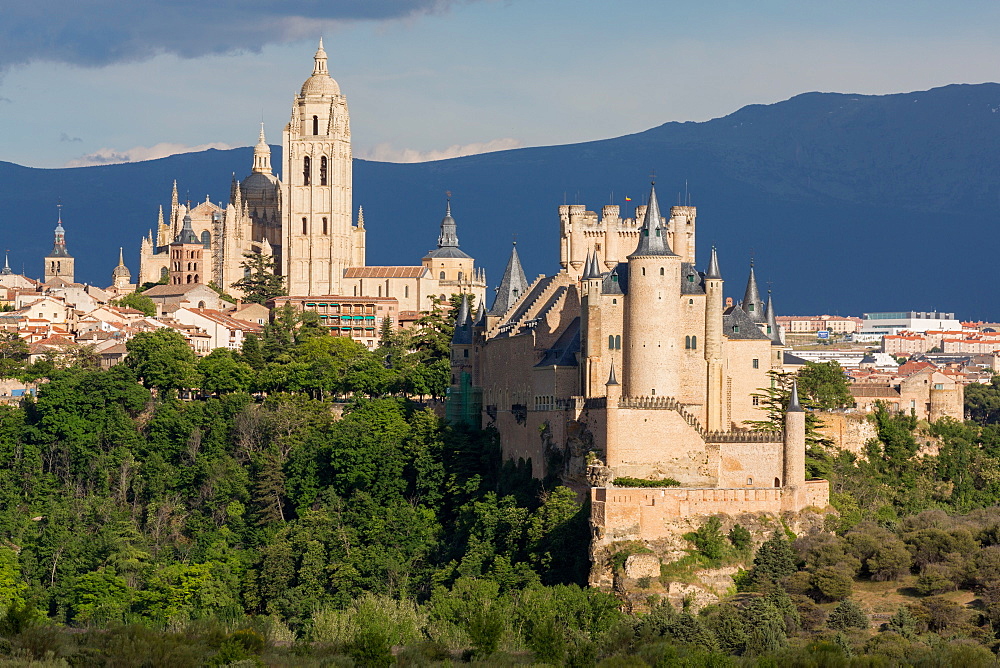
{"points": [[59, 263], [877, 325], [359, 318], [810, 324]]}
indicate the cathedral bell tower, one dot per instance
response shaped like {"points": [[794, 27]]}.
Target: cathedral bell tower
{"points": [[59, 263], [319, 239]]}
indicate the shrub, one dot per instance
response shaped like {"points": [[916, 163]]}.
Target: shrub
{"points": [[709, 539], [831, 583], [740, 537]]}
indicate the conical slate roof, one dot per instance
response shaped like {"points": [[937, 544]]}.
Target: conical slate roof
{"points": [[463, 324], [713, 266], [772, 321], [752, 305], [480, 319], [652, 234], [513, 285], [793, 404]]}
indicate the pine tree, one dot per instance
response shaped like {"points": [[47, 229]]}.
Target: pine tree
{"points": [[260, 282], [774, 560]]}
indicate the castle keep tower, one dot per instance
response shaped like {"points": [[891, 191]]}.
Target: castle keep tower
{"points": [[319, 240], [651, 352], [59, 263]]}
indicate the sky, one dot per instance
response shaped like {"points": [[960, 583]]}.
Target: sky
{"points": [[94, 81]]}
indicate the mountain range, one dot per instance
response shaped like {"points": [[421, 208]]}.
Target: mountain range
{"points": [[845, 203]]}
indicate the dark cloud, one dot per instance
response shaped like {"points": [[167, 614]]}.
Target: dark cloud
{"points": [[66, 137], [100, 32]]}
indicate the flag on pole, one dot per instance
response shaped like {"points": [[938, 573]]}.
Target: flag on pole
{"points": [[628, 199]]}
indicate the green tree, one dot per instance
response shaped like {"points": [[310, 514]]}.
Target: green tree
{"points": [[259, 282], [774, 560], [982, 401], [848, 615], [13, 354], [222, 373], [162, 360], [137, 301], [825, 385]]}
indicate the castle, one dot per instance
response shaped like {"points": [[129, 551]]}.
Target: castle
{"points": [[627, 364], [303, 222]]}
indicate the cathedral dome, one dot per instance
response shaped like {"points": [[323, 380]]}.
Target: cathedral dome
{"points": [[259, 187], [320, 84]]}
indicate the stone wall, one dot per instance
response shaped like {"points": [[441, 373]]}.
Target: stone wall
{"points": [[622, 514], [848, 431]]}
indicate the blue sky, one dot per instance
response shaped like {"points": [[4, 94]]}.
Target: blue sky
{"points": [[91, 81]]}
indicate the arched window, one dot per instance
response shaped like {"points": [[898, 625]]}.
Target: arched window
{"points": [[643, 271], [201, 304], [315, 125], [380, 291], [304, 226], [206, 239], [406, 291], [441, 276], [653, 391], [611, 342], [459, 275], [322, 171], [306, 169], [189, 278], [661, 271], [687, 343], [163, 272], [777, 482], [618, 342], [694, 343], [324, 221], [195, 278]]}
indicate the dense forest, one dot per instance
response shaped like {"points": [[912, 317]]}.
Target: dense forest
{"points": [[300, 502]]}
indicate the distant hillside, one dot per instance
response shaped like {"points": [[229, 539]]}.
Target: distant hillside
{"points": [[847, 202]]}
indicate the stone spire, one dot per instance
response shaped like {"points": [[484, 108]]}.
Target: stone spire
{"points": [[361, 217], [448, 238], [772, 321], [319, 60], [793, 402], [752, 305], [120, 275], [513, 285], [713, 266], [652, 237], [261, 154], [6, 271]]}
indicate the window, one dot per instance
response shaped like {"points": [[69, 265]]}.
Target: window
{"points": [[618, 342], [406, 293], [661, 271], [749, 481], [315, 125], [653, 392], [643, 271], [687, 343], [690, 302], [690, 278], [466, 351], [756, 400], [459, 275], [756, 363], [441, 276], [325, 231], [694, 343], [777, 482], [306, 169], [750, 306], [938, 386], [304, 226], [614, 301], [736, 329], [322, 171], [611, 342]]}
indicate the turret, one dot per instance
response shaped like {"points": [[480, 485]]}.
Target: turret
{"points": [[794, 468], [261, 154], [612, 436], [121, 277], [591, 328], [652, 352], [715, 409]]}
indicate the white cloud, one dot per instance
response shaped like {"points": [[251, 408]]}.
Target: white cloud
{"points": [[386, 153], [109, 156]]}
